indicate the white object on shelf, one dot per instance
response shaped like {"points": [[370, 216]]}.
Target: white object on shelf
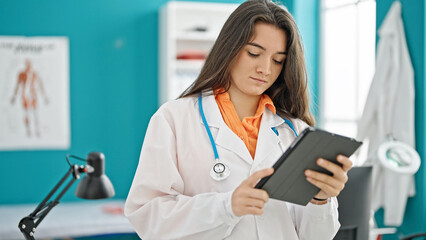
{"points": [[186, 26]]}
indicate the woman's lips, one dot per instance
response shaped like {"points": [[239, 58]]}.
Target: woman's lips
{"points": [[258, 80]]}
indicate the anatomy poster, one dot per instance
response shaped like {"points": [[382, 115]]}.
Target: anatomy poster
{"points": [[34, 93]]}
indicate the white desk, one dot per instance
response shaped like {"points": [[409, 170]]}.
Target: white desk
{"points": [[77, 219]]}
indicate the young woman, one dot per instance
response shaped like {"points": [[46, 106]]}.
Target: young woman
{"points": [[204, 152]]}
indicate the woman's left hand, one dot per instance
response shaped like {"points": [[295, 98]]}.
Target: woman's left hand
{"points": [[330, 186]]}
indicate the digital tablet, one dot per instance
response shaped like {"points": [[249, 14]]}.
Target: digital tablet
{"points": [[288, 182]]}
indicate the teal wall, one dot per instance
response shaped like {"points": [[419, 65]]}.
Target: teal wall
{"points": [[306, 13], [413, 15], [113, 88]]}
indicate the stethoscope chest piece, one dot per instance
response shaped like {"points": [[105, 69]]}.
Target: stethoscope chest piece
{"points": [[219, 171]]}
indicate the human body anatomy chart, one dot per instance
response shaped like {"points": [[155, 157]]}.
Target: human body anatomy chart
{"points": [[34, 93]]}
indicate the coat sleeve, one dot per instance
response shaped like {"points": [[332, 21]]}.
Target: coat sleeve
{"points": [[316, 221], [156, 205]]}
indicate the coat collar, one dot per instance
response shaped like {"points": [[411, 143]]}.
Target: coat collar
{"points": [[268, 141], [214, 117]]}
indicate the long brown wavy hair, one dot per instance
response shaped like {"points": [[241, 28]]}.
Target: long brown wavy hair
{"points": [[289, 92]]}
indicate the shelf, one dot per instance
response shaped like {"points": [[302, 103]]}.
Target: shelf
{"points": [[189, 65], [196, 36], [185, 27]]}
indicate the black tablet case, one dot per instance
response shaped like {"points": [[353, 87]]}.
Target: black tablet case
{"points": [[288, 182]]}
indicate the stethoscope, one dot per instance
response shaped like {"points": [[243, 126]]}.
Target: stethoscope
{"points": [[219, 170]]}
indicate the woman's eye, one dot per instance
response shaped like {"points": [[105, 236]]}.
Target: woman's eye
{"points": [[278, 62], [253, 54]]}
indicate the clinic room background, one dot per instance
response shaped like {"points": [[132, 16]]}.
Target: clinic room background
{"points": [[113, 87]]}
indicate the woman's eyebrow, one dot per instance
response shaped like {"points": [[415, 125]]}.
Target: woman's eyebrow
{"points": [[259, 46]]}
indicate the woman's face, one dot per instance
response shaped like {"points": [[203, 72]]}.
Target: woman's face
{"points": [[259, 62]]}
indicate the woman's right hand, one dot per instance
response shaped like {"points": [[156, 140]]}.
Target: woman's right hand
{"points": [[248, 200]]}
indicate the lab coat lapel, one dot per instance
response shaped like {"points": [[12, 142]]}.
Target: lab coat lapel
{"points": [[211, 110], [268, 143], [225, 137]]}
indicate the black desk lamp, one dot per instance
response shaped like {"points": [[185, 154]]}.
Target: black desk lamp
{"points": [[95, 185]]}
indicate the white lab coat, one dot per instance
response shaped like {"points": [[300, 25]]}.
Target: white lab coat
{"points": [[174, 197], [389, 110]]}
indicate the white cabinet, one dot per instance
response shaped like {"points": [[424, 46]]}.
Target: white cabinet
{"points": [[187, 33]]}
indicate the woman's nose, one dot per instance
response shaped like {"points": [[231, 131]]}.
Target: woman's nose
{"points": [[264, 67]]}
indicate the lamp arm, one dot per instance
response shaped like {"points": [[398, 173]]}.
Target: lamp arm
{"points": [[28, 224]]}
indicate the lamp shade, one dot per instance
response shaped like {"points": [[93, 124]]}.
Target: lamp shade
{"points": [[95, 184]]}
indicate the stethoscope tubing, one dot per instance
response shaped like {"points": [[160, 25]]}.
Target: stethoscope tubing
{"points": [[200, 105]]}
